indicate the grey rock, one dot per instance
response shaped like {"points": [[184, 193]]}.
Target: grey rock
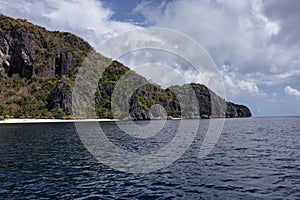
{"points": [[61, 97]]}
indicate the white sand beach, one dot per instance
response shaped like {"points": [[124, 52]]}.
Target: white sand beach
{"points": [[29, 121]]}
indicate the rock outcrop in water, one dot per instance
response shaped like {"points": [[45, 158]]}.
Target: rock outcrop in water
{"points": [[39, 67]]}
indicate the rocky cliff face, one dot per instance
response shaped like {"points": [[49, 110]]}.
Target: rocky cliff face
{"points": [[61, 97], [187, 101], [29, 50], [235, 110], [38, 67]]}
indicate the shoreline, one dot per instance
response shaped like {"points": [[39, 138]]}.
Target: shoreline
{"points": [[34, 121]]}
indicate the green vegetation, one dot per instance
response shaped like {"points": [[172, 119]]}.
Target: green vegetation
{"points": [[28, 97], [106, 84], [23, 98]]}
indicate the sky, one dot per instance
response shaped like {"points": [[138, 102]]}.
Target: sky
{"points": [[255, 44]]}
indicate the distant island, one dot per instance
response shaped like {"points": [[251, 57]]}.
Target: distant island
{"points": [[38, 68]]}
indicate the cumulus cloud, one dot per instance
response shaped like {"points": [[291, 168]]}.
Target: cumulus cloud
{"points": [[88, 19], [256, 40], [270, 27], [287, 14], [291, 91], [237, 85], [232, 31]]}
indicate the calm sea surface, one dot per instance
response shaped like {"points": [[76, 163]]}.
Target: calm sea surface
{"points": [[255, 158]]}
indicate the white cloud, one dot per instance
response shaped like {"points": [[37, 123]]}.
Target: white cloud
{"points": [[288, 74], [260, 48], [86, 18], [271, 28], [291, 91], [232, 31], [236, 86]]}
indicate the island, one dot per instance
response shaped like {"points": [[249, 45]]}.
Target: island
{"points": [[38, 69]]}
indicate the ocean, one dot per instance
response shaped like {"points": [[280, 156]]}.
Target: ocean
{"points": [[254, 158]]}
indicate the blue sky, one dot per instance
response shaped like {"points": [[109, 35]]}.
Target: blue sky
{"points": [[123, 10], [255, 43]]}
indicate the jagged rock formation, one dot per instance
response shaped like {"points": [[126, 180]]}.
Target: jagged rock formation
{"points": [[187, 101], [61, 97], [30, 50], [235, 110], [38, 69], [47, 63]]}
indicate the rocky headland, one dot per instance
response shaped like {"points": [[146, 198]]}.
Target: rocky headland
{"points": [[38, 69]]}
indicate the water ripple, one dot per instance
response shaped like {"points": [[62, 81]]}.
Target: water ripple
{"points": [[256, 158]]}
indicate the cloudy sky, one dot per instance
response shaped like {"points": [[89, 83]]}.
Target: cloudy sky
{"points": [[255, 44]]}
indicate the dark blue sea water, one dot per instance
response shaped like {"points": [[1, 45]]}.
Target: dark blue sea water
{"points": [[255, 158]]}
